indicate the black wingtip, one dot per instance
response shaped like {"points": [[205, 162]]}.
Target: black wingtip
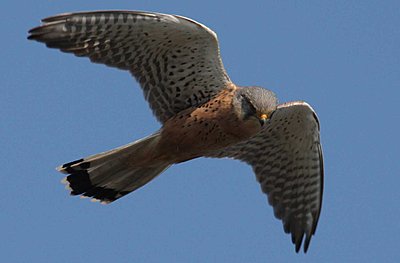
{"points": [[35, 33], [298, 241], [31, 34], [297, 248], [48, 31], [307, 243]]}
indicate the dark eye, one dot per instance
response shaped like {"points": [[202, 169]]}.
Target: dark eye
{"points": [[247, 108]]}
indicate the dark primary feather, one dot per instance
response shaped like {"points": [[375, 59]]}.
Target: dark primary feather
{"points": [[175, 60], [286, 157]]}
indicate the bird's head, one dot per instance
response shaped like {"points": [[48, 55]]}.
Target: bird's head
{"points": [[255, 105]]}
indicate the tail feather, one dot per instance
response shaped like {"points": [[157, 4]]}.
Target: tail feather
{"points": [[110, 175]]}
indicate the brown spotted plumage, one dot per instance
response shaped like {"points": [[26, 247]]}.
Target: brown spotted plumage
{"points": [[177, 63]]}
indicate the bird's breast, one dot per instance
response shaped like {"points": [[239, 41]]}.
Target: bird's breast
{"points": [[198, 130]]}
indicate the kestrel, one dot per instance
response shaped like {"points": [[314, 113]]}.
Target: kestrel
{"points": [[203, 113]]}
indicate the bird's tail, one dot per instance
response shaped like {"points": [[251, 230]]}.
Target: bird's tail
{"points": [[110, 175]]}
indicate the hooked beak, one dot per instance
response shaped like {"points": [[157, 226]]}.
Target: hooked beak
{"points": [[263, 119]]}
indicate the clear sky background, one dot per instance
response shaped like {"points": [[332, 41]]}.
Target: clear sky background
{"points": [[343, 57]]}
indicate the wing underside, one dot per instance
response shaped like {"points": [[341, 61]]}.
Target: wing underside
{"points": [[176, 60], [286, 157]]}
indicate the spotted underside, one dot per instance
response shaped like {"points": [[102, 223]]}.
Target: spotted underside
{"points": [[286, 157], [176, 60]]}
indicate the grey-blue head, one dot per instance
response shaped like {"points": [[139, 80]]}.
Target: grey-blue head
{"points": [[256, 102]]}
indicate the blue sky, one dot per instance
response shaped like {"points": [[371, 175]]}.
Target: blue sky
{"points": [[342, 57]]}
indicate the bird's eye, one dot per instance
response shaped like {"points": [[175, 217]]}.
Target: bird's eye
{"points": [[247, 107]]}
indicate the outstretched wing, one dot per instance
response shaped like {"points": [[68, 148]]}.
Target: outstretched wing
{"points": [[176, 60], [286, 157]]}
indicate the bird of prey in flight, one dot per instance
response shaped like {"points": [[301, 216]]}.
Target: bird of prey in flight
{"points": [[202, 112]]}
